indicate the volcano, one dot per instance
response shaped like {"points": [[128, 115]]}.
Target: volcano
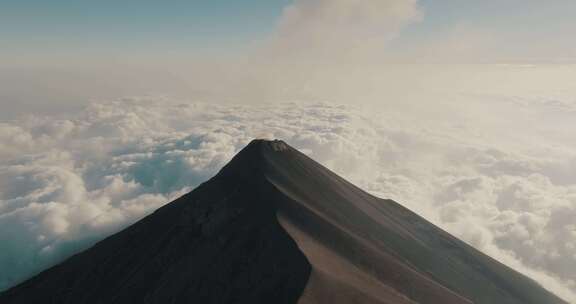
{"points": [[274, 226]]}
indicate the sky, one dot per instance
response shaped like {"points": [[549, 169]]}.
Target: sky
{"points": [[461, 110], [36, 30], [58, 55], [45, 32]]}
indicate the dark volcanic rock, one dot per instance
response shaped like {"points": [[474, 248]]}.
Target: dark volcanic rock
{"points": [[273, 226], [221, 243]]}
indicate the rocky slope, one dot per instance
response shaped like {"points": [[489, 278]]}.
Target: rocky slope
{"points": [[273, 226]]}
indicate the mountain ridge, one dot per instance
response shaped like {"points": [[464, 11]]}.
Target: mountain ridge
{"points": [[274, 226]]}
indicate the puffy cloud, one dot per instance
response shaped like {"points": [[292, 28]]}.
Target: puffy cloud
{"points": [[68, 182], [320, 28]]}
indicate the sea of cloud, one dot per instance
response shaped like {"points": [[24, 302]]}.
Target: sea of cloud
{"points": [[502, 180]]}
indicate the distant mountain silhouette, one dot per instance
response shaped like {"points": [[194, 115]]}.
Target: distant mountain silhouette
{"points": [[274, 226]]}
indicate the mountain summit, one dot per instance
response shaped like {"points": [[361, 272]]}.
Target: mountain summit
{"points": [[274, 226]]}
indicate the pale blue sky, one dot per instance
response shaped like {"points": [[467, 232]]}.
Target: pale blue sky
{"points": [[58, 25]]}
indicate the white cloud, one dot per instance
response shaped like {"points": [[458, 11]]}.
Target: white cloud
{"points": [[314, 29], [67, 182]]}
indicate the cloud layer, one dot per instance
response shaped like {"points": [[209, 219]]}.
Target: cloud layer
{"points": [[68, 181]]}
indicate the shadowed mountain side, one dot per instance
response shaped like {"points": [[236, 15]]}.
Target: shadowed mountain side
{"points": [[273, 226], [221, 243]]}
